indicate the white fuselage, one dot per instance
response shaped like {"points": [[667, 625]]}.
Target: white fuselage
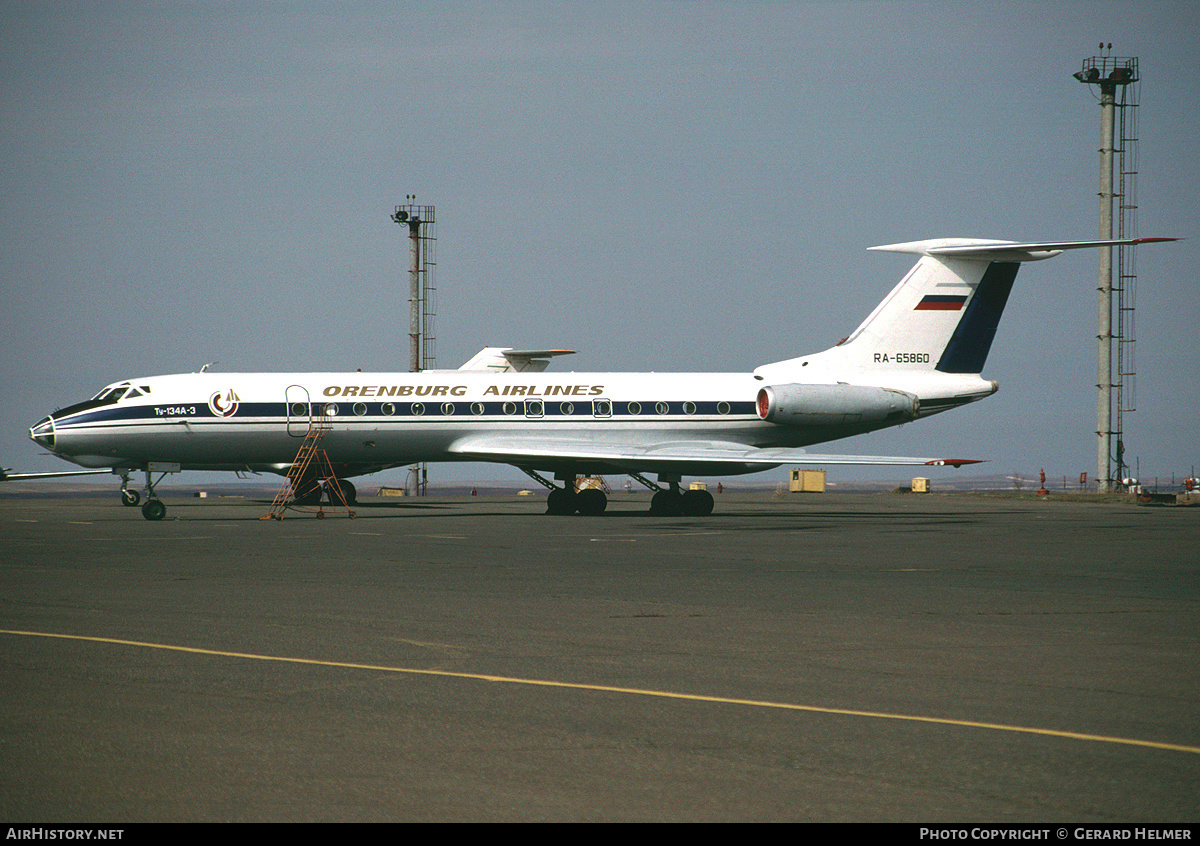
{"points": [[256, 421]]}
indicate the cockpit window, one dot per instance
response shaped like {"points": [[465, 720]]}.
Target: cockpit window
{"points": [[111, 393]]}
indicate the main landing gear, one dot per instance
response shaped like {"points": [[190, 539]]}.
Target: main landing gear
{"points": [[672, 502], [310, 491], [666, 502], [564, 500]]}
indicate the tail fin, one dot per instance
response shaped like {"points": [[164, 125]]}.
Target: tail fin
{"points": [[943, 315]]}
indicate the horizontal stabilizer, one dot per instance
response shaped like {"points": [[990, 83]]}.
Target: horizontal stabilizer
{"points": [[982, 249], [507, 360]]}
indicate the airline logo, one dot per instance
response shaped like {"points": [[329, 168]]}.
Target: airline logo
{"points": [[223, 404], [941, 302]]}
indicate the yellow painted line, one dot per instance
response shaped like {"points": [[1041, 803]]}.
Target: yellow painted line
{"points": [[159, 540], [631, 691], [657, 535]]}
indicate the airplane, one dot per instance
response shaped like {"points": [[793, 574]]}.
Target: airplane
{"points": [[920, 352]]}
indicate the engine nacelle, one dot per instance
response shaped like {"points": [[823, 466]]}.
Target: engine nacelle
{"points": [[835, 405]]}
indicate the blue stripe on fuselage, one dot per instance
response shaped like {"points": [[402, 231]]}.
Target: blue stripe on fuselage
{"points": [[258, 412]]}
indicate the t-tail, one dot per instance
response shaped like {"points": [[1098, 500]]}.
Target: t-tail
{"points": [[943, 315]]}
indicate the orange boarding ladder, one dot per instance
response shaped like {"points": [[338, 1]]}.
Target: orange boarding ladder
{"points": [[311, 454]]}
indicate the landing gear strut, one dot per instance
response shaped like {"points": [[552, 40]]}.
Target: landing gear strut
{"points": [[153, 509]]}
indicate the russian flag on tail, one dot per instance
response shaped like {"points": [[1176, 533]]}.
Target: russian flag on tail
{"points": [[941, 302]]}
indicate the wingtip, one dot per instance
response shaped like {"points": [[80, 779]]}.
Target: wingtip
{"points": [[953, 462]]}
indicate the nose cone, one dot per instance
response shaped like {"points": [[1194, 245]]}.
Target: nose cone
{"points": [[42, 432]]}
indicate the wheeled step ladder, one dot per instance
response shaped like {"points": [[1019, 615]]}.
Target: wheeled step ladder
{"points": [[311, 468]]}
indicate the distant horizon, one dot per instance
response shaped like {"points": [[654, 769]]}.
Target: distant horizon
{"points": [[960, 483]]}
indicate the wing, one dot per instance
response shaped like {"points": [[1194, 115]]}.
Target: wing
{"points": [[8, 475], [690, 457]]}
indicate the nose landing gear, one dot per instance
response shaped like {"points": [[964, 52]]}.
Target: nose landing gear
{"points": [[153, 509]]}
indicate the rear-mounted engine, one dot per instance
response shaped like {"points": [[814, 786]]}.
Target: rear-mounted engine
{"points": [[835, 405]]}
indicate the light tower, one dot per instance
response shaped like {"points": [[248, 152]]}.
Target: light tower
{"points": [[1113, 77], [422, 307]]}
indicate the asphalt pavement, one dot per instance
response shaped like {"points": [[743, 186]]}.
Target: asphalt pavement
{"points": [[805, 657]]}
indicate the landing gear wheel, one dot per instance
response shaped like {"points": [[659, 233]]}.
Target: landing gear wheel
{"points": [[561, 501], [666, 504], [591, 501], [348, 493], [697, 503], [308, 492], [154, 509], [130, 498]]}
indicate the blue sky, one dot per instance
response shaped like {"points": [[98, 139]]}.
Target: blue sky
{"points": [[659, 185]]}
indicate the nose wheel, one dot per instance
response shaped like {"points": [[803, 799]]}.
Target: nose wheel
{"points": [[153, 509]]}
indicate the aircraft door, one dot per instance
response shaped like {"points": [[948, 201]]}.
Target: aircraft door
{"points": [[298, 409]]}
